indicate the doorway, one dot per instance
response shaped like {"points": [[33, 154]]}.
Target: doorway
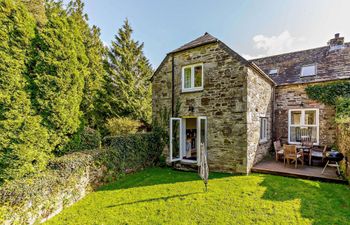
{"points": [[188, 135]]}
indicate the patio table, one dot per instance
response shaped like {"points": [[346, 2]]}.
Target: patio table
{"points": [[306, 151]]}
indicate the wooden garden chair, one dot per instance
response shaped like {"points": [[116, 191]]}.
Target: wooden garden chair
{"points": [[318, 154], [291, 153], [278, 149]]}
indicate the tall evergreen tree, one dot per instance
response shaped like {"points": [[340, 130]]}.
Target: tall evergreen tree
{"points": [[94, 51], [128, 81], [24, 144], [57, 72]]}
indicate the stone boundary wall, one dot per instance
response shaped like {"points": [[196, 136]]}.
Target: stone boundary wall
{"points": [[69, 178], [34, 200]]}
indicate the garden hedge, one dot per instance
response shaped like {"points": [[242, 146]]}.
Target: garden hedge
{"points": [[68, 178]]}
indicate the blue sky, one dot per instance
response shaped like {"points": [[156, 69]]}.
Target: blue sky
{"points": [[252, 28]]}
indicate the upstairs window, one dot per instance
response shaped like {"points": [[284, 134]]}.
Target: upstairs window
{"points": [[273, 72], [263, 129], [192, 78], [309, 70]]}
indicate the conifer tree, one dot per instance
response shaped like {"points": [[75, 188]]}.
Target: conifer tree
{"points": [[57, 73], [24, 144], [128, 80], [94, 51]]}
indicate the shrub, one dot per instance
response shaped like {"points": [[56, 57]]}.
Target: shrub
{"points": [[118, 126], [85, 139], [343, 110]]}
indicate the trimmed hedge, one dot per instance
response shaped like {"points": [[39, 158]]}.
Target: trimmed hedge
{"points": [[68, 178]]}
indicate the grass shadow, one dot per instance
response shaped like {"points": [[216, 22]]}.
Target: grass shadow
{"points": [[166, 198], [319, 201], [156, 176]]}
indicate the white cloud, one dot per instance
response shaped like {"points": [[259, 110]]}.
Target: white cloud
{"points": [[281, 43]]}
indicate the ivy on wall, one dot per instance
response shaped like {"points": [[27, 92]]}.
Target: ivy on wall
{"points": [[335, 94]]}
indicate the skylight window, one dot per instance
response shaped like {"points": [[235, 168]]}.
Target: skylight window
{"points": [[309, 70], [273, 72]]}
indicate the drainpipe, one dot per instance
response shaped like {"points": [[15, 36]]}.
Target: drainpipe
{"points": [[172, 86], [273, 114]]}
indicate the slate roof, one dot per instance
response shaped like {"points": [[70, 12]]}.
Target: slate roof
{"points": [[330, 65], [202, 40]]}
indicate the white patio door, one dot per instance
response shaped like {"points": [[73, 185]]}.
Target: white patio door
{"points": [[202, 131], [175, 139]]}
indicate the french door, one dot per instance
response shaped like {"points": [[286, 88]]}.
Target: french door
{"points": [[202, 128], [177, 138]]}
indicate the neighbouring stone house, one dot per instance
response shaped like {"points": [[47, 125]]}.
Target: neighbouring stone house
{"points": [[235, 107]]}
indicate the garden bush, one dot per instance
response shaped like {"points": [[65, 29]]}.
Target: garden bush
{"points": [[85, 139], [118, 126]]}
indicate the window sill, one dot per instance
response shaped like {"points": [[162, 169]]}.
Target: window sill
{"points": [[263, 141], [192, 90]]}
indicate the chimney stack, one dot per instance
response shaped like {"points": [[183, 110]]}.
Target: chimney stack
{"points": [[336, 43]]}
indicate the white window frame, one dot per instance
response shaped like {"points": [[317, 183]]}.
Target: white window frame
{"points": [[192, 88], [273, 74], [263, 129], [302, 123], [304, 66]]}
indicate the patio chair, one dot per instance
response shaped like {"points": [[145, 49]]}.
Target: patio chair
{"points": [[291, 153], [318, 154], [278, 149], [308, 145]]}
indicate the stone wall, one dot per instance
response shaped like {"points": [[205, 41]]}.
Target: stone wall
{"points": [[223, 101], [294, 97], [259, 104]]}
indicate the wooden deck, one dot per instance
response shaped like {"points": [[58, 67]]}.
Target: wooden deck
{"points": [[270, 166]]}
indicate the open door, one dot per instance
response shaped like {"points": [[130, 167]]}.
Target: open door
{"points": [[202, 135], [175, 139]]}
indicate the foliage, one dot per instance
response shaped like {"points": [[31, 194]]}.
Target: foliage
{"points": [[94, 51], [135, 150], [120, 126], [58, 70], [63, 183], [85, 139], [329, 93], [166, 196], [37, 8], [336, 94], [343, 110], [128, 83], [24, 144], [70, 176]]}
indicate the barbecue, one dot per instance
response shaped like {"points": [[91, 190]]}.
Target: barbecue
{"points": [[333, 158]]}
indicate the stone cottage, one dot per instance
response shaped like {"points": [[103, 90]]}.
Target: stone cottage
{"points": [[235, 107]]}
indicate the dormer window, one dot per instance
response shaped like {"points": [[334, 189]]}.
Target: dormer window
{"points": [[192, 78], [273, 72], [309, 70]]}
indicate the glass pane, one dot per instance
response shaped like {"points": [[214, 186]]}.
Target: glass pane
{"points": [[187, 77], [295, 117], [310, 117], [176, 139], [299, 133], [202, 132], [308, 70], [198, 76]]}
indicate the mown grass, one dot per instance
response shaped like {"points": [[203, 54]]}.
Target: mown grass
{"points": [[165, 196]]}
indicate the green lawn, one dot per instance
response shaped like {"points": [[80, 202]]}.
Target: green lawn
{"points": [[165, 196]]}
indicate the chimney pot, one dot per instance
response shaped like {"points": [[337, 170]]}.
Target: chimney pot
{"points": [[336, 35]]}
